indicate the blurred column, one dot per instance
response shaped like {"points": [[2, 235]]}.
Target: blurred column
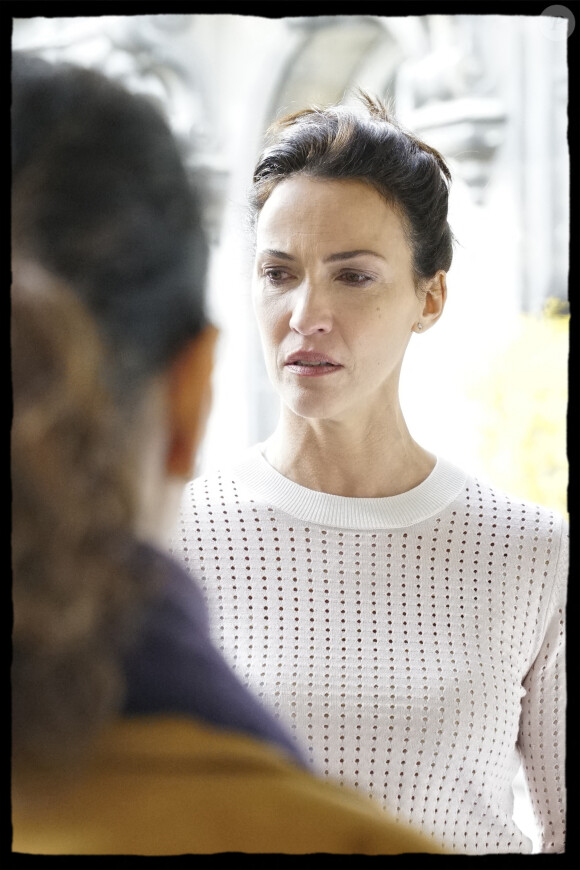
{"points": [[544, 167], [447, 98]]}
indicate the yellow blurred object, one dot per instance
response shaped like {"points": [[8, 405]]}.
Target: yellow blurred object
{"points": [[523, 402], [171, 786]]}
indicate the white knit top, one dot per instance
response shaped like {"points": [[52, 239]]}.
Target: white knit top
{"points": [[414, 644]]}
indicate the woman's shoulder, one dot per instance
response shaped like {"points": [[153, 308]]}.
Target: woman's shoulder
{"points": [[235, 478], [484, 497], [498, 516]]}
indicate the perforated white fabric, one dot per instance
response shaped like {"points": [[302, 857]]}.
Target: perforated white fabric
{"points": [[414, 644]]}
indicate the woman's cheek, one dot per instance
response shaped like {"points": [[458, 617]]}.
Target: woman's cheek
{"points": [[272, 316]]}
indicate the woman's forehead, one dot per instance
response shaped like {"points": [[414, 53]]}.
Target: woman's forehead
{"points": [[347, 211]]}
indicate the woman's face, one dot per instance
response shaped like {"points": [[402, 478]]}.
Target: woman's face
{"points": [[334, 296]]}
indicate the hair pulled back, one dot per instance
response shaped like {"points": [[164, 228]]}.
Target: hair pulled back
{"points": [[340, 142]]}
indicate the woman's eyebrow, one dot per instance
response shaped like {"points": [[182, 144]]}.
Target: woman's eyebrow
{"points": [[348, 255], [332, 258], [272, 252]]}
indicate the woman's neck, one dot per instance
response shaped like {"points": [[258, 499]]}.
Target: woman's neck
{"points": [[349, 459]]}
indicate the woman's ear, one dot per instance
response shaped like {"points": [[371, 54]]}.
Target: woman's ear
{"points": [[189, 401], [435, 298]]}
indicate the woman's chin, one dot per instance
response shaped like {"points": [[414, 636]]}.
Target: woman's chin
{"points": [[312, 408]]}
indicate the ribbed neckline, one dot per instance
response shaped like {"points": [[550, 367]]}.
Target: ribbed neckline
{"points": [[434, 494]]}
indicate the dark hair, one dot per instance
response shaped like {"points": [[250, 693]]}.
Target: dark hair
{"points": [[342, 143], [102, 199], [109, 272], [73, 509]]}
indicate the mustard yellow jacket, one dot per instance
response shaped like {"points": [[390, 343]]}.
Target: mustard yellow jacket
{"points": [[171, 785]]}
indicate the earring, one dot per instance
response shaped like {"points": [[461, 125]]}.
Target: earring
{"points": [[419, 327]]}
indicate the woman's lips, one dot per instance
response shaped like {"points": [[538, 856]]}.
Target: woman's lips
{"points": [[311, 364]]}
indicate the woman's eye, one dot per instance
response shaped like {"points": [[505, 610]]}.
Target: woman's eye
{"points": [[358, 279], [275, 276]]}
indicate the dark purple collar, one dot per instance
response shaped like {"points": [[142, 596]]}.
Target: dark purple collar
{"points": [[175, 668]]}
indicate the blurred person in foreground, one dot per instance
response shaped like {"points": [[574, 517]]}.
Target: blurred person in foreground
{"points": [[130, 733]]}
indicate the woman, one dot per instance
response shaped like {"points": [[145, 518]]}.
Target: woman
{"points": [[131, 735], [405, 617]]}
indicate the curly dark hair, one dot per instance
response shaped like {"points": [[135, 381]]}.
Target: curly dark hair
{"points": [[340, 142], [73, 510]]}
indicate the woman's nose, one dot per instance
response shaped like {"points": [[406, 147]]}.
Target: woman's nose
{"points": [[311, 312]]}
